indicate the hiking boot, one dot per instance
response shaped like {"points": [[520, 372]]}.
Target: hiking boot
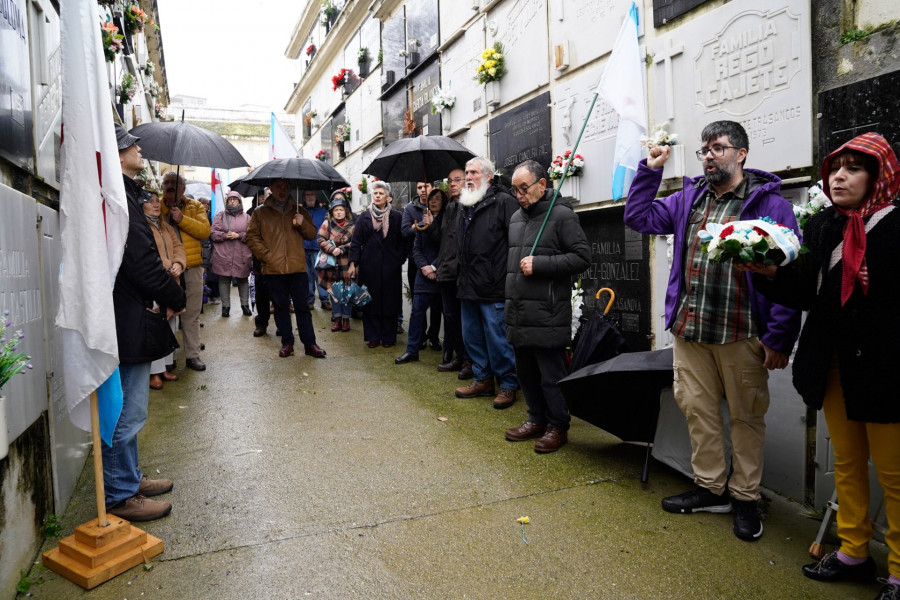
{"points": [[140, 508], [552, 440], [747, 525], [154, 487], [485, 387], [698, 500], [525, 431], [505, 398]]}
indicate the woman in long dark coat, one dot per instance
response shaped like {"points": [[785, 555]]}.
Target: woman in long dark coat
{"points": [[377, 252]]}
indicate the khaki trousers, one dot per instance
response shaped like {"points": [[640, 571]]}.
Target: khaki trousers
{"points": [[190, 320], [704, 373]]}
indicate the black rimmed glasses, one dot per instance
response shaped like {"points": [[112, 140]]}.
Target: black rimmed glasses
{"points": [[523, 190], [717, 151], [457, 180]]}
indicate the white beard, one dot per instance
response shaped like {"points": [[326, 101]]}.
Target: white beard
{"points": [[472, 197]]}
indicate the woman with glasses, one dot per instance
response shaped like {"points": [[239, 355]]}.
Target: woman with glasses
{"points": [[171, 252]]}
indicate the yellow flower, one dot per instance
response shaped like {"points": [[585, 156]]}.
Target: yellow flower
{"points": [[498, 57], [490, 64], [522, 520], [486, 53], [492, 72]]}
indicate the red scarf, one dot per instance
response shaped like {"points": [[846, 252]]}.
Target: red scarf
{"points": [[885, 189]]}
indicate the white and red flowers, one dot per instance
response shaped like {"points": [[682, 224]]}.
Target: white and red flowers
{"points": [[558, 166], [757, 241]]}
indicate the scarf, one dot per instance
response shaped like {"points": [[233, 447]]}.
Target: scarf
{"points": [[154, 220], [381, 220], [884, 190]]}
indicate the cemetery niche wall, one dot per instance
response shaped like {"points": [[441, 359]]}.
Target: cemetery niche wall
{"points": [[520, 134]]}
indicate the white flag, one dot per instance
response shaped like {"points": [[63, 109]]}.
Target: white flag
{"points": [[93, 211], [280, 144], [622, 85]]}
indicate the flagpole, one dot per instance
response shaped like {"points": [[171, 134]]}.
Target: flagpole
{"points": [[565, 174], [102, 519]]}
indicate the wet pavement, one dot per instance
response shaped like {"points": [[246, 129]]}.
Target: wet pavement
{"points": [[352, 477]]}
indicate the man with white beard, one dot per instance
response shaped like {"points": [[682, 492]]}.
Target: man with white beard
{"points": [[484, 215]]}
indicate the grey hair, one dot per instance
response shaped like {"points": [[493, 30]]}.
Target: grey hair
{"points": [[486, 166], [383, 185], [533, 167], [181, 178]]}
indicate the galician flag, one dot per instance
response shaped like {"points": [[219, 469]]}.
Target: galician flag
{"points": [[217, 191], [622, 85], [94, 220], [280, 144]]}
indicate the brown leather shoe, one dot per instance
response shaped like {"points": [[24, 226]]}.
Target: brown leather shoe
{"points": [[286, 350], [259, 332], [156, 382], [314, 351], [140, 508], [485, 387], [465, 371], [505, 398], [374, 343], [167, 376], [525, 431], [154, 487], [451, 365], [552, 440]]}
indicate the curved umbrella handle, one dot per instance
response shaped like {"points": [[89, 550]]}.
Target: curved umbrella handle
{"points": [[612, 298]]}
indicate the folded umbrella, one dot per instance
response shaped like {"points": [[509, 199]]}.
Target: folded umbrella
{"points": [[422, 158], [599, 338]]}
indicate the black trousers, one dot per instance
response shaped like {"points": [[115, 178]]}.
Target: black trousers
{"points": [[453, 340], [539, 370], [283, 289], [263, 300]]}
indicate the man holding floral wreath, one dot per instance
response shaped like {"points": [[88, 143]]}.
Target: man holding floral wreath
{"points": [[726, 333]]}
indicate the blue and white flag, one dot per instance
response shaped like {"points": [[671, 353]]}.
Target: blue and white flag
{"points": [[280, 144], [622, 85]]}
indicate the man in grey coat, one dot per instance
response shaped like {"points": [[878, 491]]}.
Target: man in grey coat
{"points": [[539, 303]]}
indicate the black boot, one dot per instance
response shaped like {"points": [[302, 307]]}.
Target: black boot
{"points": [[226, 311], [246, 310]]}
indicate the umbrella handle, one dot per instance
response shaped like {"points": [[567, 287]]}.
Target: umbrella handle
{"points": [[612, 298]]}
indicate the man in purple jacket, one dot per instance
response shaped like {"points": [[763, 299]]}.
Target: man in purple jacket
{"points": [[726, 334]]}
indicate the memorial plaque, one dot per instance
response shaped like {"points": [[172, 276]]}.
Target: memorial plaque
{"points": [[458, 64], [393, 44], [620, 260], [521, 26], [666, 10], [520, 134], [570, 19], [421, 29], [393, 113], [851, 110], [747, 65], [16, 143], [424, 84]]}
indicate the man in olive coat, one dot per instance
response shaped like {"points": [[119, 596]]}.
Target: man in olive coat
{"points": [[539, 303]]}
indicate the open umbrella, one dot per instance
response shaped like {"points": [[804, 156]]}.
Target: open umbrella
{"points": [[247, 190], [180, 143], [303, 173], [621, 395], [423, 158], [599, 338]]}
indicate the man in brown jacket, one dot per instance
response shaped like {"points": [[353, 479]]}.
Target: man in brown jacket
{"points": [[275, 237]]}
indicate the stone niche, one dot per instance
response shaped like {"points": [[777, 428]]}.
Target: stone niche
{"points": [[570, 19], [522, 29], [522, 133], [458, 64], [750, 65]]}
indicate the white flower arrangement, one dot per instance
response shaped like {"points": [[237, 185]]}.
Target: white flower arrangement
{"points": [[817, 201], [558, 166], [442, 99], [577, 304], [658, 137], [757, 241]]}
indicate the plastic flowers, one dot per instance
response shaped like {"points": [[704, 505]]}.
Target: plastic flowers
{"points": [[345, 76], [757, 241], [127, 89], [559, 165], [658, 137], [441, 100], [310, 49], [817, 201], [12, 362], [342, 132], [491, 67], [577, 303], [322, 155], [135, 18], [112, 40]]}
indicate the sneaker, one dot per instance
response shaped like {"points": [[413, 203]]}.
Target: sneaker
{"points": [[747, 525], [831, 569], [698, 500], [890, 591], [140, 508], [485, 387], [154, 487]]}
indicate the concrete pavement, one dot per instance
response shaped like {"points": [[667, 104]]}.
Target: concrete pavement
{"points": [[339, 478]]}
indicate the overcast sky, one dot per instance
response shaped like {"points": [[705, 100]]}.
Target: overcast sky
{"points": [[230, 51]]}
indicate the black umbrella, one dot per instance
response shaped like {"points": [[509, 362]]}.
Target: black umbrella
{"points": [[303, 173], [621, 395], [180, 143], [599, 338], [423, 158], [247, 190]]}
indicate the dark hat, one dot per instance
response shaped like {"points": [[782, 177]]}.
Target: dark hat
{"points": [[124, 139], [338, 202]]}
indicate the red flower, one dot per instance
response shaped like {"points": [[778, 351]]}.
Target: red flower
{"points": [[726, 232], [760, 231]]}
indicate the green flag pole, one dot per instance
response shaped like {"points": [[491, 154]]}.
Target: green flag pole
{"points": [[564, 175]]}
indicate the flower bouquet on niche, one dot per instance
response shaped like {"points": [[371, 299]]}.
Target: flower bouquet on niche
{"points": [[491, 65], [442, 99], [12, 360], [658, 137], [817, 201], [756, 241], [112, 40], [342, 132], [322, 155], [558, 166]]}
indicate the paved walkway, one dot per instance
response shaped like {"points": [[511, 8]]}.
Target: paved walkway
{"points": [[351, 477]]}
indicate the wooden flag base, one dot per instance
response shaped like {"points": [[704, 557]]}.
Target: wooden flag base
{"points": [[94, 554]]}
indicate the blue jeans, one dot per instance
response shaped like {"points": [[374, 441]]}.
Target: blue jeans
{"points": [[484, 334], [340, 310], [420, 304], [121, 475], [313, 279]]}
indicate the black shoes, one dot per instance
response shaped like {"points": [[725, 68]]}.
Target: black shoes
{"points": [[246, 310], [698, 500], [831, 569], [890, 591], [226, 311], [195, 364], [405, 358], [259, 332], [453, 364], [747, 525]]}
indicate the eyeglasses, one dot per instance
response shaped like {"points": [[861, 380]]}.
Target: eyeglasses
{"points": [[521, 191], [457, 180], [717, 151]]}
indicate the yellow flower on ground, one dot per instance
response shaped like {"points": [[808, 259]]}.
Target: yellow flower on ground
{"points": [[522, 520]]}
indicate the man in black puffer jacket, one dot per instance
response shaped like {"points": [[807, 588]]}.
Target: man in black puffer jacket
{"points": [[539, 303], [483, 223]]}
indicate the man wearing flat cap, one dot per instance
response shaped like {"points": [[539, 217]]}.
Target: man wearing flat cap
{"points": [[144, 297]]}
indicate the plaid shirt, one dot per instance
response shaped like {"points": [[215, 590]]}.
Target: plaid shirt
{"points": [[714, 306]]}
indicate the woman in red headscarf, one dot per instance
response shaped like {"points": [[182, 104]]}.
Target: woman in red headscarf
{"points": [[846, 361]]}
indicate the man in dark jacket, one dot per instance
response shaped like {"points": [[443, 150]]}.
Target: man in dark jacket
{"points": [[483, 228], [414, 212], [539, 303], [144, 292], [726, 333]]}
